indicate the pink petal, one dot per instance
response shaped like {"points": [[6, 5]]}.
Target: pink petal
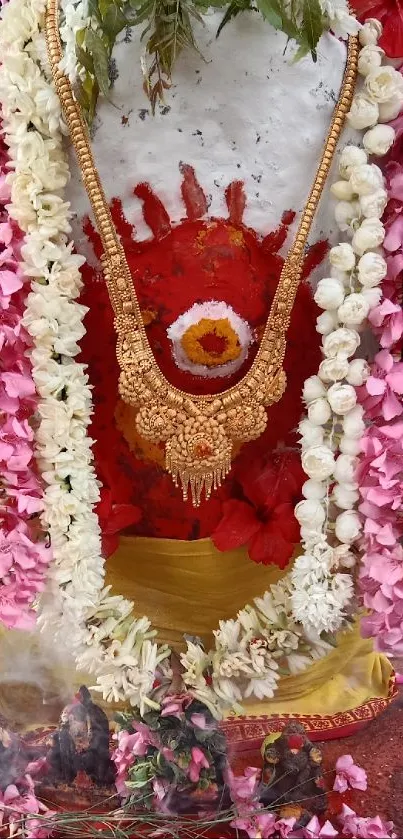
{"points": [[10, 282], [344, 763], [358, 778], [395, 380], [375, 386], [18, 385], [340, 783], [198, 720]]}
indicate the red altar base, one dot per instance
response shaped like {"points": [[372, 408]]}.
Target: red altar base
{"points": [[378, 748], [375, 743], [247, 733]]}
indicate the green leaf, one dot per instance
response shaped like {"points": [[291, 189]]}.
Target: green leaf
{"points": [[103, 6], [234, 9], [85, 59], [312, 23], [302, 51], [114, 21], [207, 4], [100, 57], [93, 10], [271, 12], [83, 97]]}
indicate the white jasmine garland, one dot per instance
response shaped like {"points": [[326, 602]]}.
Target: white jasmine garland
{"points": [[372, 269], [379, 140], [342, 190], [370, 32], [342, 343], [347, 214], [342, 397], [102, 630], [369, 235], [327, 322], [364, 112], [319, 411], [370, 57], [383, 83], [313, 389], [391, 109], [342, 257], [358, 372], [321, 593], [333, 369], [351, 157], [353, 310], [366, 179], [373, 206], [329, 293]]}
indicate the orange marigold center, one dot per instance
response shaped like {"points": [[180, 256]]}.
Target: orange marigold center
{"points": [[211, 342]]}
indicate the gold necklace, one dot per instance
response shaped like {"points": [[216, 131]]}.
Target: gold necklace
{"points": [[198, 431]]}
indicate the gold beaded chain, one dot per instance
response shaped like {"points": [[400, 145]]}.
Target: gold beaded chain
{"points": [[198, 430]]}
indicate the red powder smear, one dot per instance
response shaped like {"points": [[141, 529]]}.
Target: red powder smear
{"points": [[192, 193], [236, 201], [276, 238], [155, 214], [213, 343]]}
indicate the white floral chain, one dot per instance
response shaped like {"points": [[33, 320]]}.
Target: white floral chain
{"points": [[335, 423], [105, 637]]}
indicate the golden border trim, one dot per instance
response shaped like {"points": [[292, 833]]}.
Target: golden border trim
{"points": [[247, 730]]}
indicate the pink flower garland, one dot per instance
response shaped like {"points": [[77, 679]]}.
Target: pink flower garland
{"points": [[380, 473], [23, 558]]}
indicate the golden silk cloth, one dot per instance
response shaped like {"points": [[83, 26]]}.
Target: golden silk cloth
{"points": [[187, 587]]}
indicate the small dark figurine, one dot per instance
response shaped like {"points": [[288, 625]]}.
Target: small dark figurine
{"points": [[292, 770], [81, 743], [9, 757]]}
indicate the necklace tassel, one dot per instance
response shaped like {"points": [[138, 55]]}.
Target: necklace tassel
{"points": [[197, 481]]}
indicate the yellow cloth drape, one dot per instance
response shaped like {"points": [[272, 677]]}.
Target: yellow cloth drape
{"points": [[187, 587]]}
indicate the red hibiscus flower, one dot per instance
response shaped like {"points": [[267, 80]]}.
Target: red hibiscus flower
{"points": [[113, 518], [390, 13], [263, 517]]}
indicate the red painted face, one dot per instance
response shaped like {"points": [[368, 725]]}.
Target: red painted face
{"points": [[194, 261]]}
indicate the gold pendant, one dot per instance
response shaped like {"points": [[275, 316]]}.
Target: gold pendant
{"points": [[198, 433]]}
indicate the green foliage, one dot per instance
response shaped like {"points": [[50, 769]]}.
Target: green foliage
{"points": [[166, 28]]}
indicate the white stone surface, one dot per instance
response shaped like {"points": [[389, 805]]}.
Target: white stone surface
{"points": [[243, 111]]}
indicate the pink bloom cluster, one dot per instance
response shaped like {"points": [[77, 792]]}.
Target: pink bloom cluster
{"points": [[258, 823], [22, 813], [136, 745], [251, 818], [349, 775], [380, 473], [23, 557]]}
